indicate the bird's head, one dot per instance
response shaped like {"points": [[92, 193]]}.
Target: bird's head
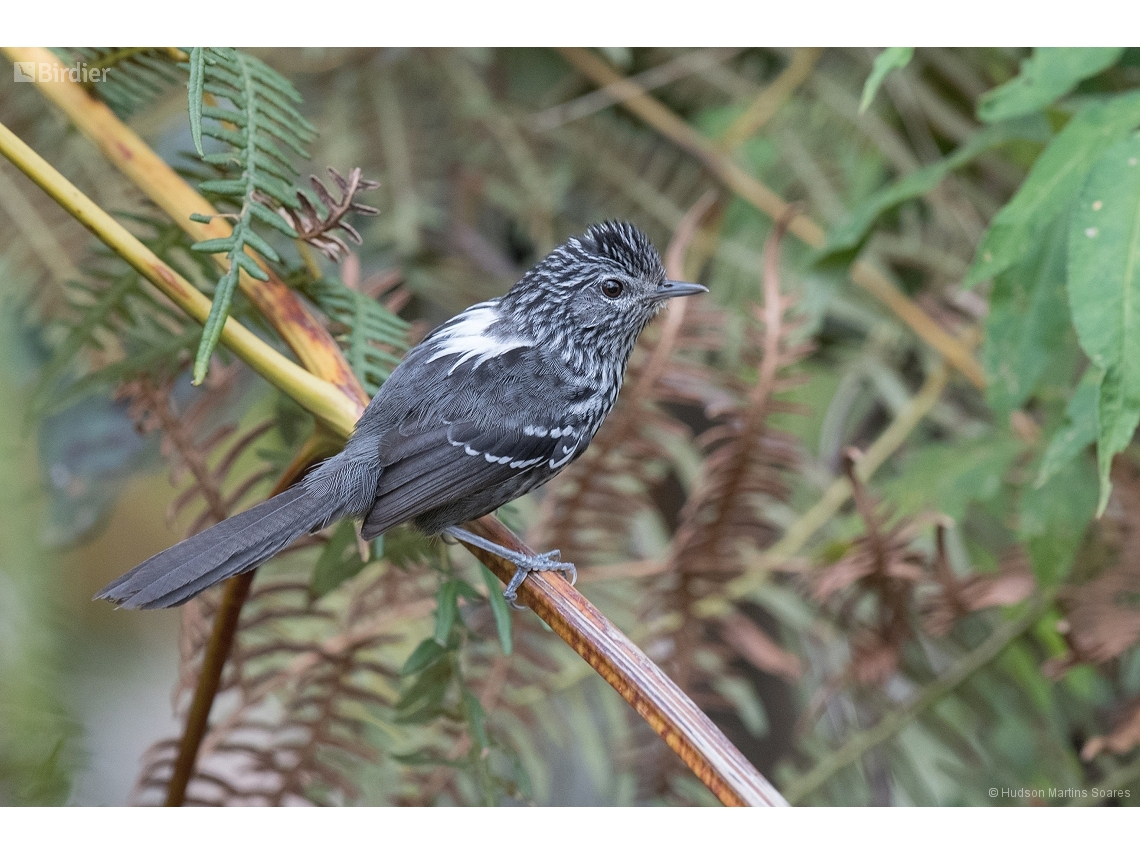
{"points": [[596, 291]]}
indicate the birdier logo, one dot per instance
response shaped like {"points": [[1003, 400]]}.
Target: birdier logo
{"points": [[53, 72]]}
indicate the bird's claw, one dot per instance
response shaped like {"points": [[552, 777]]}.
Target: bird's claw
{"points": [[538, 563]]}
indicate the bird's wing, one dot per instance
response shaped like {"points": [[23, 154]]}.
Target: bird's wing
{"points": [[428, 467]]}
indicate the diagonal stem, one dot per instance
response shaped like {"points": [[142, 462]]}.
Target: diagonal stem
{"points": [[221, 641]]}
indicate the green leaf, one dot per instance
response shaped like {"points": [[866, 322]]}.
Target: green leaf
{"points": [[1052, 521], [246, 263], [376, 338], [1053, 183], [1079, 430], [1027, 322], [446, 610], [1104, 294], [339, 561], [426, 653], [949, 476], [215, 321], [499, 608], [224, 244], [850, 234], [1044, 77], [424, 697], [476, 719], [885, 63]]}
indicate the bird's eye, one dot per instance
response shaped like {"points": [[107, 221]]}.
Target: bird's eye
{"points": [[612, 288]]}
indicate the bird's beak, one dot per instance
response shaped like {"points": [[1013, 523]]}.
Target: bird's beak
{"points": [[673, 288]]}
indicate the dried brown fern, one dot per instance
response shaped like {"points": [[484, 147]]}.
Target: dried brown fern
{"points": [[319, 230], [746, 464]]}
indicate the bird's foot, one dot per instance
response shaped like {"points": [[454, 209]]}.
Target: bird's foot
{"points": [[524, 564], [527, 564]]}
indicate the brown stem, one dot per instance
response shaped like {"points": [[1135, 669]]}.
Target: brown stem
{"points": [[210, 677], [222, 640], [669, 711]]}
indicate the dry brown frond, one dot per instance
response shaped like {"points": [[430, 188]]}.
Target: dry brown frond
{"points": [[317, 230]]}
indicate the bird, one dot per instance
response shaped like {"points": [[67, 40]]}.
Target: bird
{"points": [[490, 405]]}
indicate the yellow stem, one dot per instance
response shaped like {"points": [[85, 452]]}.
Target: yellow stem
{"points": [[126, 150], [318, 396]]}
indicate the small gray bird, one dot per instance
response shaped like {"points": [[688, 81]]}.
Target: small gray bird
{"points": [[490, 405]]}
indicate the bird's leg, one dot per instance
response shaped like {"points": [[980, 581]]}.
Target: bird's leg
{"points": [[524, 563]]}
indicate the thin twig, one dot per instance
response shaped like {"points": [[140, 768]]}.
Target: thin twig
{"points": [[675, 69]]}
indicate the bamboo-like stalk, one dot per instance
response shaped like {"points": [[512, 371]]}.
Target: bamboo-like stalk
{"points": [[320, 397], [656, 698], [765, 200], [126, 150]]}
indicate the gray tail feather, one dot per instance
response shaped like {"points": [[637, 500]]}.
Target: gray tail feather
{"points": [[231, 547]]}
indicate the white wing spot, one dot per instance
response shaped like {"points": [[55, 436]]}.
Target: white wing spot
{"points": [[1091, 232], [567, 450], [1097, 205], [467, 335]]}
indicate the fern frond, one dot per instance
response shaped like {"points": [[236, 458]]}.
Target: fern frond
{"points": [[132, 77], [374, 339], [319, 230], [116, 323], [261, 122]]}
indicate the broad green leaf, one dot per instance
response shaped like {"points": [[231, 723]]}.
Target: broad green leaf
{"points": [[423, 698], [339, 561], [1027, 322], [948, 477], [476, 719], [1044, 77], [1053, 183], [850, 234], [1053, 519], [885, 63], [499, 609], [1104, 294], [1079, 430]]}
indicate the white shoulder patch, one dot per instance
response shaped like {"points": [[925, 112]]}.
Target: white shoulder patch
{"points": [[467, 336]]}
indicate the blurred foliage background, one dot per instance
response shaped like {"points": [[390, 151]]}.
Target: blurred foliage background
{"points": [[883, 533]]}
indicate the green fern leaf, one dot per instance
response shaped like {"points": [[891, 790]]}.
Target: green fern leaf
{"points": [[257, 117], [374, 340]]}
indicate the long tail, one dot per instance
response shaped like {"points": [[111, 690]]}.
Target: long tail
{"points": [[232, 546]]}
